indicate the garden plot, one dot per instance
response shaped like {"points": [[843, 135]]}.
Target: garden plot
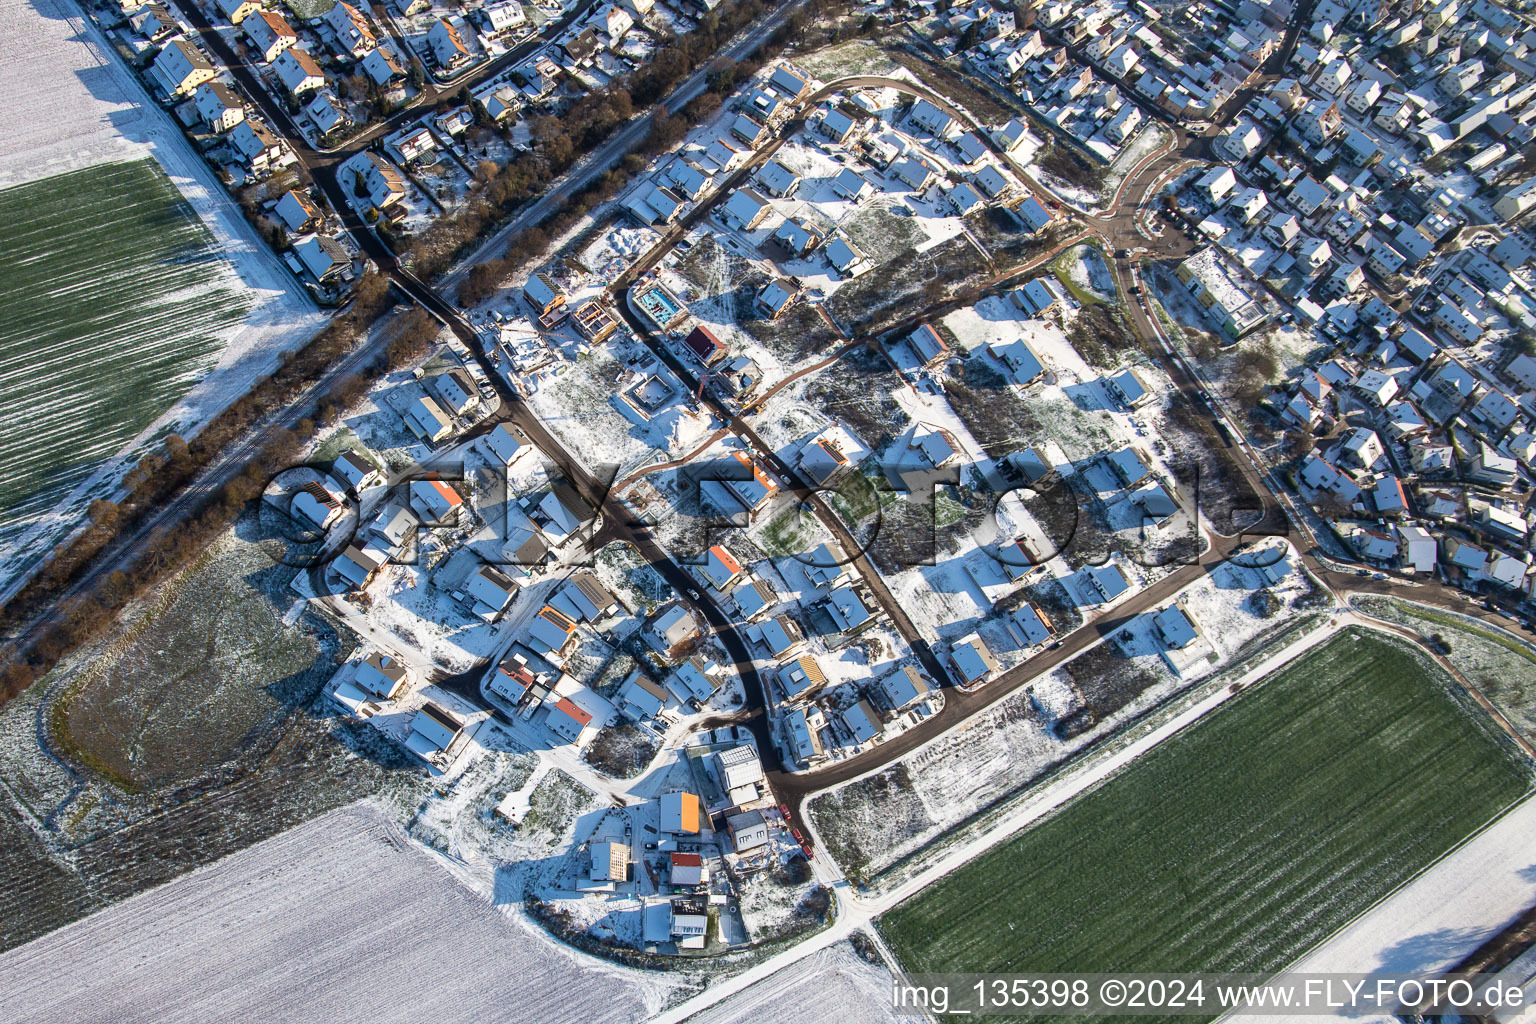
{"points": [[610, 254], [859, 57], [909, 280], [343, 889], [1008, 747], [881, 233], [1334, 781]]}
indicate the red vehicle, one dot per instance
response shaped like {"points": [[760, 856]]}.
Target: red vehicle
{"points": [[784, 811], [806, 849], [798, 837]]}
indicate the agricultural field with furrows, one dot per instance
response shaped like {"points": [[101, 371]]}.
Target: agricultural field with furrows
{"points": [[1241, 842], [312, 924], [114, 303], [1499, 664]]}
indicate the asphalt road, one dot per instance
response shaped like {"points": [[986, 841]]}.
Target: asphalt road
{"points": [[1117, 227]]}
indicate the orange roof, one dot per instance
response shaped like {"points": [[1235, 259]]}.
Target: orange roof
{"points": [[726, 558], [565, 704], [556, 618], [276, 23], [687, 860], [690, 812], [833, 450], [757, 471], [448, 493]]}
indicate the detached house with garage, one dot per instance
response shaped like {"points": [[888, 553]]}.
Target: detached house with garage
{"points": [[353, 35], [372, 179]]}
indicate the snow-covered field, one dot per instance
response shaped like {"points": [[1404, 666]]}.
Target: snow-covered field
{"points": [[66, 103], [342, 919], [834, 983]]}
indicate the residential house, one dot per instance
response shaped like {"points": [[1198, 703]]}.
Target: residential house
{"points": [[270, 34], [720, 568], [296, 210], [672, 629], [581, 48], [353, 33], [1175, 626], [862, 721], [356, 566], [427, 420], [322, 255], [181, 67], [315, 504], [800, 677], [639, 697], [748, 830], [679, 814], [298, 72], [220, 107], [776, 296], [236, 11], [552, 633], [903, 688], [446, 43], [382, 66], [568, 720], [381, 675], [745, 209], [255, 145], [972, 660], [930, 347], [435, 502], [433, 730]]}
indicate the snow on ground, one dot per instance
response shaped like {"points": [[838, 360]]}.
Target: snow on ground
{"points": [[1087, 270], [1448, 911], [340, 919], [578, 408], [834, 983], [971, 767], [91, 114], [68, 104]]}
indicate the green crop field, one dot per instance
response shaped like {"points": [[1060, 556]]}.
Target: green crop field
{"points": [[1241, 842], [114, 304]]}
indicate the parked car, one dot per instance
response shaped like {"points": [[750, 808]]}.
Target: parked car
{"points": [[797, 836], [809, 855]]}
